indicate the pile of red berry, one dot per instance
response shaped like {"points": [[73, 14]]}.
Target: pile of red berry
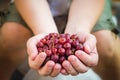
{"points": [[59, 46]]}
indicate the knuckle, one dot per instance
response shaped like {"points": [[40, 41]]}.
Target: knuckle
{"points": [[83, 71], [92, 64], [34, 66], [74, 74], [42, 74], [53, 75]]}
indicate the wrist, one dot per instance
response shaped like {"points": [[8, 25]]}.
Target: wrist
{"points": [[73, 29], [45, 30]]}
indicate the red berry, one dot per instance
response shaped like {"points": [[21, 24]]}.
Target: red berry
{"points": [[79, 47], [67, 45], [48, 42], [48, 52], [45, 47], [67, 36], [55, 58], [68, 52], [54, 50], [62, 35], [47, 37], [55, 41], [62, 40], [59, 47], [43, 40], [75, 43], [40, 44], [61, 51], [39, 50], [73, 36], [62, 58]]}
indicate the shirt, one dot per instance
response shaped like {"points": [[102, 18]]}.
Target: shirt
{"points": [[58, 7]]}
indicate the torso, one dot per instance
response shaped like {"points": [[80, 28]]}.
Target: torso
{"points": [[58, 7]]}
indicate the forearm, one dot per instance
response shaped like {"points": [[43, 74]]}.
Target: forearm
{"points": [[37, 15], [83, 15]]}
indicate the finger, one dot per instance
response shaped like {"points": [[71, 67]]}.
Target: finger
{"points": [[82, 36], [77, 64], [88, 40], [38, 61], [56, 70], [90, 43], [64, 72], [47, 69], [68, 67], [88, 59], [31, 46]]}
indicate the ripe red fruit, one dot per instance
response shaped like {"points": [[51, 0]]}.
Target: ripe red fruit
{"points": [[61, 51], [55, 58], [39, 49], [40, 44], [68, 52], [79, 47], [48, 52], [43, 40], [59, 47], [62, 58], [67, 45], [75, 43], [62, 40], [54, 50]]}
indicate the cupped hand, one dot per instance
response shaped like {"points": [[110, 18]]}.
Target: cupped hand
{"points": [[37, 59], [82, 60]]}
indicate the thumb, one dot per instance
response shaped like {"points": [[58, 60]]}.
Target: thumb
{"points": [[90, 43]]}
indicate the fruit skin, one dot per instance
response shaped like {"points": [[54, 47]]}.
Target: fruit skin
{"points": [[67, 45], [54, 50], [62, 40], [68, 52], [55, 58], [61, 59], [48, 52], [61, 51], [59, 47]]}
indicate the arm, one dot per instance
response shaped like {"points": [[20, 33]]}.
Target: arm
{"points": [[37, 15], [83, 15]]}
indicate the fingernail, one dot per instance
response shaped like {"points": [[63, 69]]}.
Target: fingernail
{"points": [[73, 59], [79, 53], [43, 55]]}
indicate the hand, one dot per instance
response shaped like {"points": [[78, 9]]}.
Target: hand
{"points": [[82, 60], [36, 59]]}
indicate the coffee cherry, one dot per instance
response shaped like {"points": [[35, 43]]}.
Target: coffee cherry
{"points": [[59, 47], [55, 58], [62, 58], [67, 45], [61, 51], [68, 52], [62, 40]]}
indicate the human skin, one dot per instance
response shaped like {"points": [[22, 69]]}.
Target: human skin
{"points": [[38, 25]]}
